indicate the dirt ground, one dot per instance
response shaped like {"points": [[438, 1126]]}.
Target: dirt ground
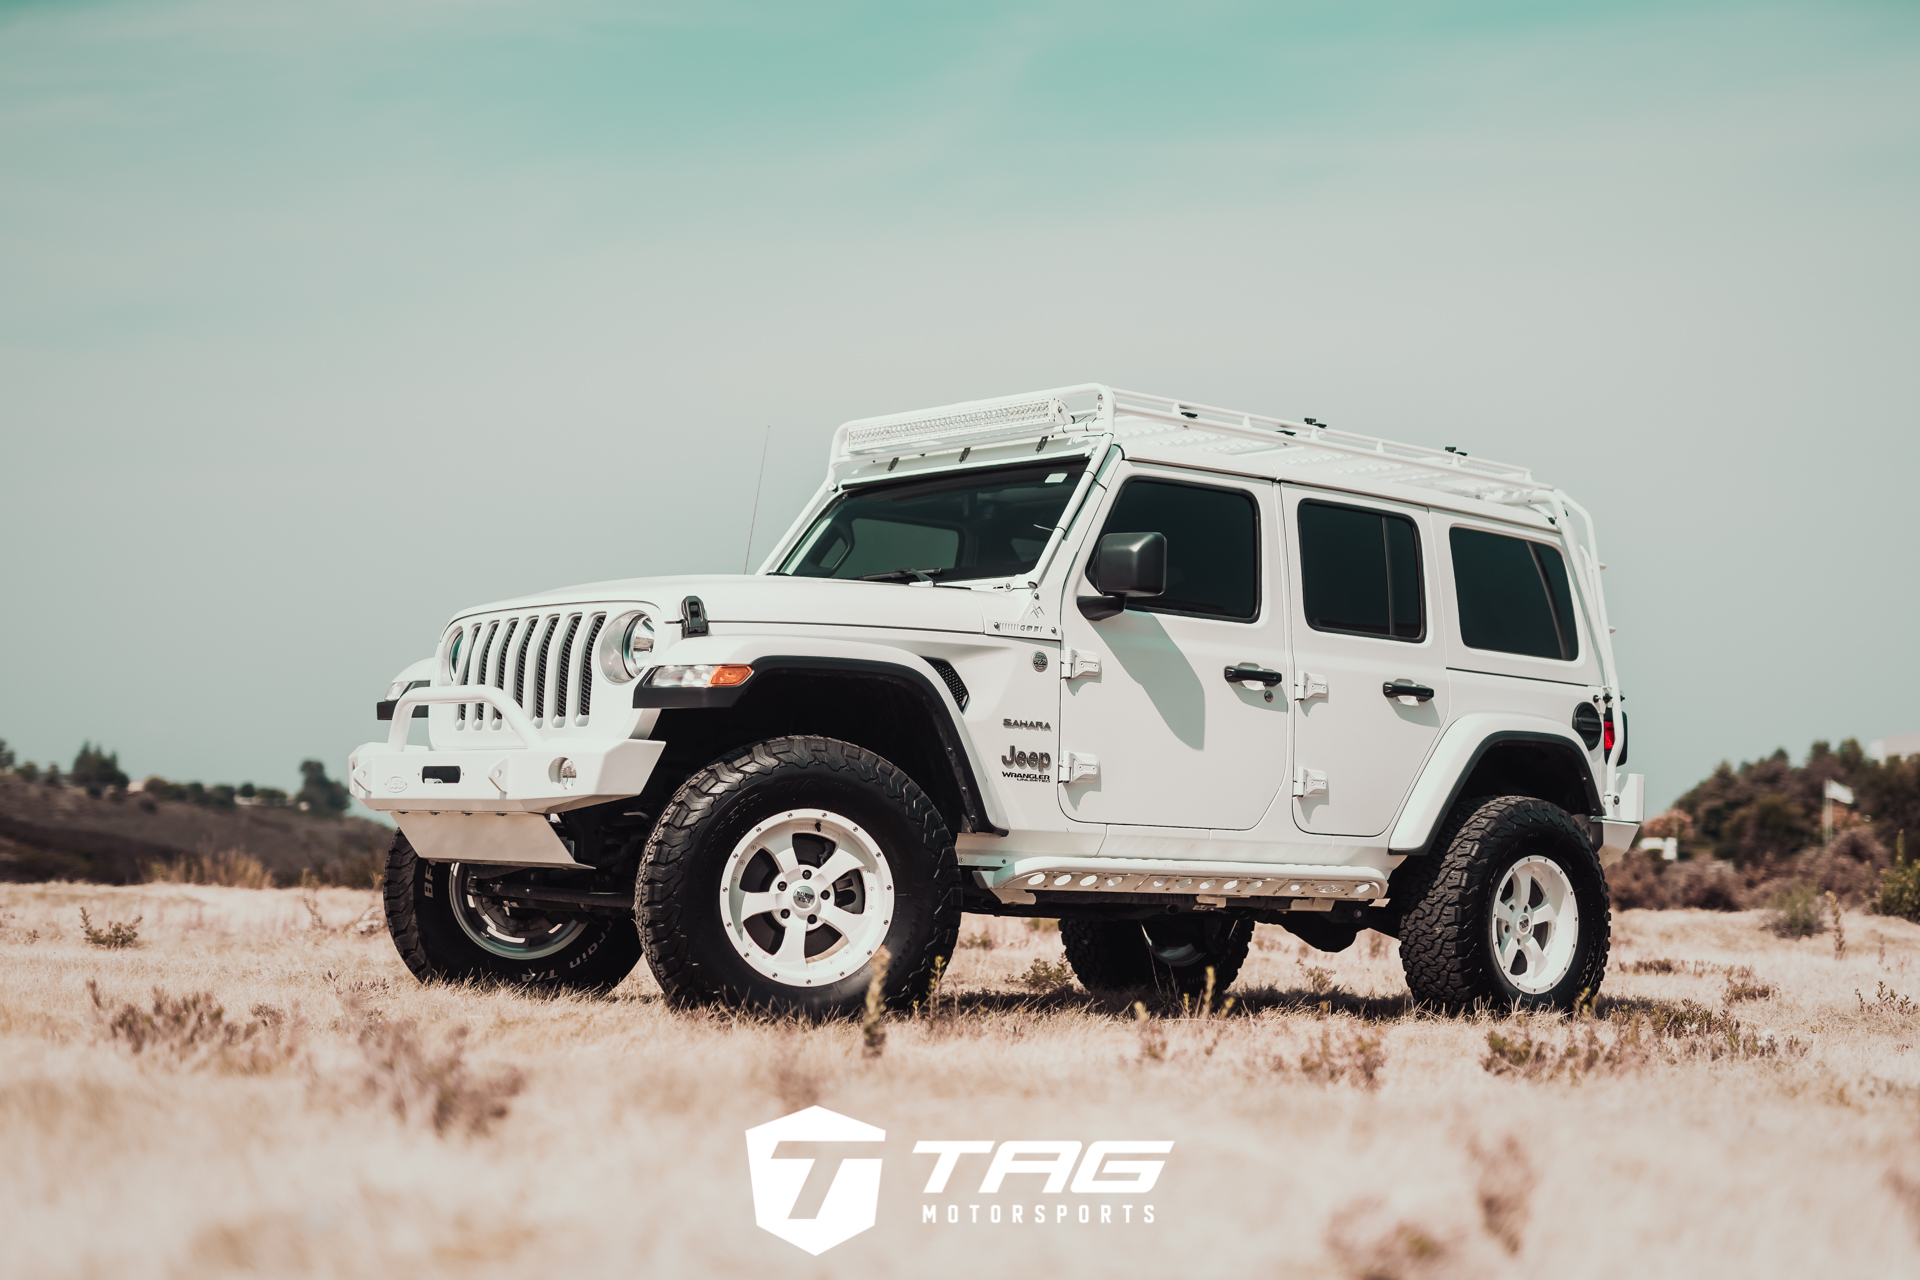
{"points": [[1738, 1104]]}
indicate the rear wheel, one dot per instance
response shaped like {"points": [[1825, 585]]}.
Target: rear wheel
{"points": [[1171, 953], [1512, 910], [446, 927]]}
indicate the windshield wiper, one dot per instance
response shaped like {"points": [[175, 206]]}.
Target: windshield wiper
{"points": [[901, 575]]}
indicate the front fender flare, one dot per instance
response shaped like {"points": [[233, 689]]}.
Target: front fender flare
{"points": [[873, 661]]}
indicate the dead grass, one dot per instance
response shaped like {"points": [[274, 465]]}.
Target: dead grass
{"points": [[230, 868], [1733, 1103]]}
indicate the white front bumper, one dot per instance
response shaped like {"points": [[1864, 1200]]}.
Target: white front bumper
{"points": [[526, 772]]}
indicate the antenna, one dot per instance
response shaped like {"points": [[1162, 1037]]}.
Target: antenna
{"points": [[754, 520]]}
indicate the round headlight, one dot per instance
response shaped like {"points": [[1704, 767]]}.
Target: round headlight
{"points": [[454, 648], [628, 648]]}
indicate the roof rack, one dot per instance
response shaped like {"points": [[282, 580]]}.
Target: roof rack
{"points": [[1175, 430]]}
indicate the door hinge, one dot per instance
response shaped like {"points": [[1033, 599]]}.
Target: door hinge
{"points": [[1078, 662], [1308, 685], [1309, 782], [1078, 767]]}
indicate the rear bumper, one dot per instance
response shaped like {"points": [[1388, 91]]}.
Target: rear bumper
{"points": [[525, 772]]}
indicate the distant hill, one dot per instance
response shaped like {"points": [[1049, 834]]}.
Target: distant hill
{"points": [[62, 833]]}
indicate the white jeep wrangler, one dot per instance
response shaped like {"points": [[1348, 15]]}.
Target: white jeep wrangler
{"points": [[1155, 669]]}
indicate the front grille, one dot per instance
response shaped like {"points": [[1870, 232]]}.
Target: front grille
{"points": [[545, 658]]}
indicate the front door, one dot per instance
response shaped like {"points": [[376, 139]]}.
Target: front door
{"points": [[1361, 626], [1173, 741]]}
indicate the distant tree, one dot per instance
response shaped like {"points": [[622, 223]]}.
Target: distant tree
{"points": [[29, 771], [320, 794], [1769, 807], [6, 755], [97, 770], [52, 777], [246, 791]]}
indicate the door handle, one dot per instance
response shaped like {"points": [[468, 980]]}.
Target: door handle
{"points": [[1258, 675], [1418, 692]]}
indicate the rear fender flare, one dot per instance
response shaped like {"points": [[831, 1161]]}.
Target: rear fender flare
{"points": [[1460, 750]]}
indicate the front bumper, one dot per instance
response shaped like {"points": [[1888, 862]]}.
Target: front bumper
{"points": [[524, 771]]}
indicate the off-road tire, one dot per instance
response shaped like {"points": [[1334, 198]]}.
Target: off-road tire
{"points": [[1445, 897], [1118, 955], [1108, 955], [677, 894], [433, 945]]}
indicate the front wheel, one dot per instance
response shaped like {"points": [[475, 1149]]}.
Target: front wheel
{"points": [[448, 928], [1512, 910], [773, 879]]}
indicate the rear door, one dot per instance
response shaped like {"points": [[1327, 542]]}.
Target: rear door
{"points": [[1362, 607], [1177, 743]]}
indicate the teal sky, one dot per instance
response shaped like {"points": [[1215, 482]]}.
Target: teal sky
{"points": [[319, 322]]}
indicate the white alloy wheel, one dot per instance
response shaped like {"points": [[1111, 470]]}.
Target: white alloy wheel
{"points": [[528, 936], [1535, 925], [806, 897]]}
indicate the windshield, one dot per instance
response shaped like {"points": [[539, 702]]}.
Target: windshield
{"points": [[976, 524]]}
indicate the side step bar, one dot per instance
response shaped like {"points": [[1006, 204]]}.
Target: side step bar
{"points": [[1297, 887]]}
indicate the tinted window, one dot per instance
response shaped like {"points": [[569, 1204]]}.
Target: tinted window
{"points": [[970, 524], [1213, 545], [1514, 595], [1360, 572]]}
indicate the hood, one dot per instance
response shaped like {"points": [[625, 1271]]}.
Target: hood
{"points": [[762, 599]]}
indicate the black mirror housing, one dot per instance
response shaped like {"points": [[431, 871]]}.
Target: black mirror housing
{"points": [[1124, 565]]}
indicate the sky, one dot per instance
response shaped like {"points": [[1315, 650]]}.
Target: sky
{"points": [[321, 322]]}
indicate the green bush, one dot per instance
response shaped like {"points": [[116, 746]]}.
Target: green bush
{"points": [[1900, 885], [1798, 912]]}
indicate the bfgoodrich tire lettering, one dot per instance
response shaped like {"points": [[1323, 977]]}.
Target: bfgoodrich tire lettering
{"points": [[421, 905], [1457, 902], [700, 953]]}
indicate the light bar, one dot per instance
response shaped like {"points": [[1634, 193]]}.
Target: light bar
{"points": [[886, 435]]}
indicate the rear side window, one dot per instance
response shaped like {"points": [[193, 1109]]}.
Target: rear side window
{"points": [[1514, 595], [1360, 572], [1213, 546]]}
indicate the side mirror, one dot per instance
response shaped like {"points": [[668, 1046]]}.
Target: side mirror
{"points": [[1125, 564]]}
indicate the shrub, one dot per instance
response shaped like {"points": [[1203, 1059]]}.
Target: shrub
{"points": [[426, 1083], [1044, 976], [193, 1030], [1705, 883], [1353, 1054], [232, 868], [117, 936], [1850, 867], [1636, 880], [1900, 885], [1798, 912]]}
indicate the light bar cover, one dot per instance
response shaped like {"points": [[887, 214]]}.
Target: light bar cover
{"points": [[1007, 419]]}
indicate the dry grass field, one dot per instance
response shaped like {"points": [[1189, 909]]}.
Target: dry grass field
{"points": [[1732, 1107]]}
